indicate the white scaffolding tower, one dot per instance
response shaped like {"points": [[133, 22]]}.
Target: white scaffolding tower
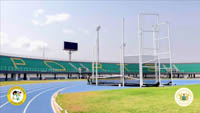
{"points": [[156, 56]]}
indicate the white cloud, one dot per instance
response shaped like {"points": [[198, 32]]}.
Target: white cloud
{"points": [[41, 19], [28, 44], [57, 18], [39, 12], [22, 42]]}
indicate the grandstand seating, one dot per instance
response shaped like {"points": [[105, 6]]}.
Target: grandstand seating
{"points": [[189, 67], [8, 63]]}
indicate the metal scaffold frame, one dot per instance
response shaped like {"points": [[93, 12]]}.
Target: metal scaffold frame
{"points": [[156, 46], [122, 55]]}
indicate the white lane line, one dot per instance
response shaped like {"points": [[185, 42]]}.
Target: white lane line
{"points": [[32, 99], [53, 101], [4, 104], [20, 86], [24, 86], [25, 89], [27, 93]]}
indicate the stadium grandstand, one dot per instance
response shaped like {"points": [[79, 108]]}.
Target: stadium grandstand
{"points": [[21, 68]]}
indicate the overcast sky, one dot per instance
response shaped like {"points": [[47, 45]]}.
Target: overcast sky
{"points": [[27, 27]]}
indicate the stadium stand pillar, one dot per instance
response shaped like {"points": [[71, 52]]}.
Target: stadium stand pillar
{"points": [[40, 76], [194, 75], [6, 78], [54, 76], [169, 75], [144, 75], [12, 76], [190, 75], [66, 76], [19, 76], [25, 76]]}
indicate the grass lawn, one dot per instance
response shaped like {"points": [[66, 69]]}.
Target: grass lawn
{"points": [[132, 100], [4, 83]]}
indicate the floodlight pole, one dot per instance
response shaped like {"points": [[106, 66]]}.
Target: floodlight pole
{"points": [[97, 57], [140, 49]]}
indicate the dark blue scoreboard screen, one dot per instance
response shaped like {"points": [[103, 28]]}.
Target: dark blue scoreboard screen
{"points": [[71, 46]]}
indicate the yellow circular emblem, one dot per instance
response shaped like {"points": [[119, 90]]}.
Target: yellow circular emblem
{"points": [[184, 96], [16, 95]]}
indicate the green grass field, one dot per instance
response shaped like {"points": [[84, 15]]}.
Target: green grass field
{"points": [[132, 100], [5, 83]]}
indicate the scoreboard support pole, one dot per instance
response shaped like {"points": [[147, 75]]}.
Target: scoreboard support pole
{"points": [[70, 55]]}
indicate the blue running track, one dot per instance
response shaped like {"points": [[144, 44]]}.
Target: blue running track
{"points": [[39, 95]]}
